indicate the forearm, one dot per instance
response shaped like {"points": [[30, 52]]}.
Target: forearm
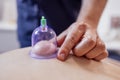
{"points": [[91, 11]]}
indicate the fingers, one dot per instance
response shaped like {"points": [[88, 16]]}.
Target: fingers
{"points": [[97, 50], [82, 40], [91, 49], [72, 38], [61, 38], [87, 43], [102, 56]]}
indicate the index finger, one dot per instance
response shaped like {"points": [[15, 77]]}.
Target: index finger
{"points": [[72, 38]]}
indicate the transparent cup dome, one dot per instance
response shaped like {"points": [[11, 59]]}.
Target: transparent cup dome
{"points": [[44, 44]]}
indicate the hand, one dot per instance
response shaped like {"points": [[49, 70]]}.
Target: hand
{"points": [[83, 40]]}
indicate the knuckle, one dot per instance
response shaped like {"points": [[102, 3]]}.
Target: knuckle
{"points": [[81, 27], [78, 52], [105, 54], [90, 41], [72, 40], [101, 46], [102, 56], [65, 49]]}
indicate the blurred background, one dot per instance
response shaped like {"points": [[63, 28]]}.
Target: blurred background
{"points": [[109, 27], [8, 17]]}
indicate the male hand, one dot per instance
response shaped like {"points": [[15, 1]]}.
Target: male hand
{"points": [[83, 40]]}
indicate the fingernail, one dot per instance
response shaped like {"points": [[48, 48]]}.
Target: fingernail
{"points": [[61, 56]]}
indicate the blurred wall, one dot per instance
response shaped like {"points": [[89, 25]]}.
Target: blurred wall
{"points": [[104, 27], [8, 40], [8, 17], [112, 9]]}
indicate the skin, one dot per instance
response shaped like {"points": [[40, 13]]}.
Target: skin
{"points": [[81, 37], [44, 48]]}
